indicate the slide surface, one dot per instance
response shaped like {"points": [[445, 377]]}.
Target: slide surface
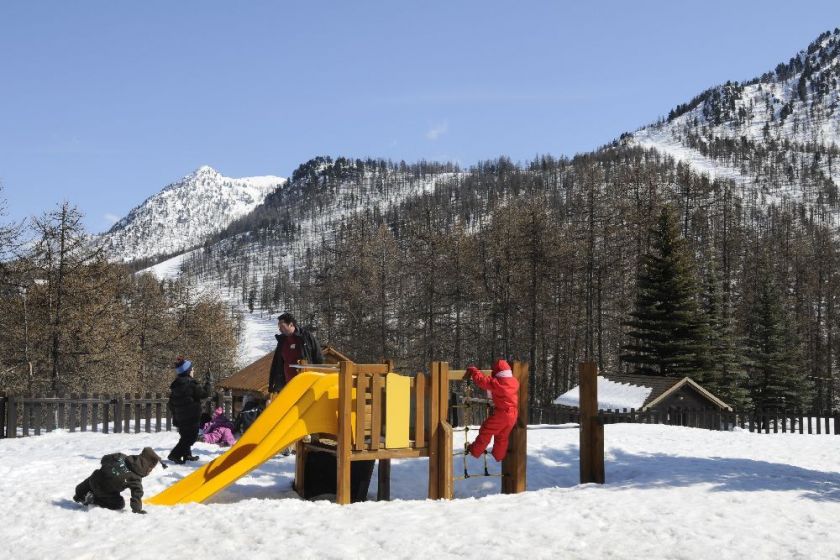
{"points": [[308, 404]]}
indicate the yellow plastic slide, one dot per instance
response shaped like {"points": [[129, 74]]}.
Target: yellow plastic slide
{"points": [[307, 405]]}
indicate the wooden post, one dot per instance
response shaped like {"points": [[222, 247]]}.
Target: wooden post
{"points": [[11, 417], [343, 451], [3, 409], [137, 414], [94, 413], [515, 463], [434, 430], [106, 413], [71, 413], [148, 413], [591, 431], [300, 464], [383, 489], [158, 406], [445, 475], [118, 414], [83, 412], [36, 407], [127, 413]]}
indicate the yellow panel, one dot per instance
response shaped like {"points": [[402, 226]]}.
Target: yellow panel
{"points": [[397, 408]]}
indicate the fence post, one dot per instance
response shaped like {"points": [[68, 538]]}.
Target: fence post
{"points": [[83, 412], [137, 413], [148, 413], [157, 411], [118, 414], [127, 413], [3, 409], [591, 429], [106, 412], [94, 413], [11, 417]]}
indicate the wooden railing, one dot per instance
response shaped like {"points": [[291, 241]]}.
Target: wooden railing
{"points": [[765, 421], [25, 415]]}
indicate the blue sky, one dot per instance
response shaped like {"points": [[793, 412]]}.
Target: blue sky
{"points": [[103, 103]]}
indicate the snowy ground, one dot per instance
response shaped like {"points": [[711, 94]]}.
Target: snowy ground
{"points": [[671, 493]]}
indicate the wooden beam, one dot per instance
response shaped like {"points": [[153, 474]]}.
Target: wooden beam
{"points": [[515, 464], [408, 453], [591, 431], [383, 488], [345, 402], [447, 480], [420, 381], [300, 467], [361, 400], [434, 429]]}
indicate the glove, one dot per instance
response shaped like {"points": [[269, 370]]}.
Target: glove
{"points": [[473, 371], [143, 511]]}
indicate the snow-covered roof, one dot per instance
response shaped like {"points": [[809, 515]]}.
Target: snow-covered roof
{"points": [[611, 395]]}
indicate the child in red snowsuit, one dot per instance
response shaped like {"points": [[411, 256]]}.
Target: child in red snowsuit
{"points": [[504, 388]]}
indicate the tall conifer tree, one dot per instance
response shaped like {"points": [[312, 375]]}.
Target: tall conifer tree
{"points": [[665, 326]]}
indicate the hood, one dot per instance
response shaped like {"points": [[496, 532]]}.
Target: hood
{"points": [[143, 463]]}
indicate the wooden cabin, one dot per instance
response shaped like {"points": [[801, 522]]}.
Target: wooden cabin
{"points": [[647, 393]]}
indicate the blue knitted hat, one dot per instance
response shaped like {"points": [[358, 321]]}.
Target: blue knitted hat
{"points": [[183, 367]]}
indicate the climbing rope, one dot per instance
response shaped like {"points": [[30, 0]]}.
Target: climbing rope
{"points": [[467, 402]]}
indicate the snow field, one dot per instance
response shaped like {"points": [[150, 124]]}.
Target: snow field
{"points": [[671, 492]]}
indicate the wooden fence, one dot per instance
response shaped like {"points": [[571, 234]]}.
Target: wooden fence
{"points": [[766, 421], [24, 415]]}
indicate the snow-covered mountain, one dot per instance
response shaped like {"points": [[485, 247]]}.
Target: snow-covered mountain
{"points": [[185, 213], [787, 119]]}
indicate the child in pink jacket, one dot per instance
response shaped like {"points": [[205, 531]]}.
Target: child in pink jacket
{"points": [[219, 429], [504, 389]]}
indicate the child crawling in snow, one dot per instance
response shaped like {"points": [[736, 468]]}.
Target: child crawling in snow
{"points": [[219, 429], [504, 389], [116, 473]]}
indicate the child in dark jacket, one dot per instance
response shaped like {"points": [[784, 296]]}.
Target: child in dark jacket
{"points": [[185, 396], [504, 389], [118, 472]]}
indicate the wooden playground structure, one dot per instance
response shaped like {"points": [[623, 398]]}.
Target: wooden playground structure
{"points": [[383, 415]]}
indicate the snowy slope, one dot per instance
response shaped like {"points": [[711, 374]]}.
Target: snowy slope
{"points": [[185, 213], [258, 328], [671, 493], [783, 117]]}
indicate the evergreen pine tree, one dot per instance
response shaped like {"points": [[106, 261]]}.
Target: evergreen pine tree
{"points": [[665, 326], [724, 373], [776, 380]]}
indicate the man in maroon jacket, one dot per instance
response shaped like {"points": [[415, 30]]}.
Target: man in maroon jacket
{"points": [[293, 344]]}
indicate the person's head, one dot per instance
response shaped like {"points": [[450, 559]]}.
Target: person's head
{"points": [[218, 412], [147, 460], [502, 369], [183, 366], [287, 324]]}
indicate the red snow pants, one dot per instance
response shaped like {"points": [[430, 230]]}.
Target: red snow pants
{"points": [[498, 426]]}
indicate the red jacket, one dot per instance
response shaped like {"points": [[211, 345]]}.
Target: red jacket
{"points": [[505, 390]]}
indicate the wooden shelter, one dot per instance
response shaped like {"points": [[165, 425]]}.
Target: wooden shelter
{"points": [[649, 393]]}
